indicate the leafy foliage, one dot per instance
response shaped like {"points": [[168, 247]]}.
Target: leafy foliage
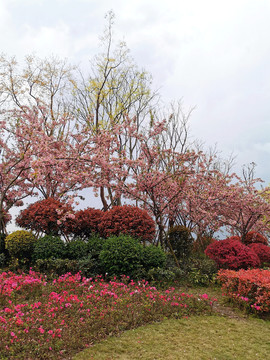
{"points": [[94, 245], [129, 220], [20, 244], [254, 237], [56, 266], [247, 287], [202, 271], [2, 260], [49, 246], [2, 243], [232, 254], [153, 257], [84, 223], [121, 255], [181, 241], [262, 251], [76, 249], [44, 216]]}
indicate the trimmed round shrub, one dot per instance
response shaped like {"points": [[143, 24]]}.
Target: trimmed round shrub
{"points": [[20, 244], [76, 249], [254, 237], [232, 254], [129, 220], [262, 251], [181, 241], [49, 246], [153, 257], [121, 255], [43, 216], [84, 223]]}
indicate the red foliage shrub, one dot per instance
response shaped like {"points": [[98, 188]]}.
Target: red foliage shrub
{"points": [[43, 216], [129, 220], [262, 251], [84, 223], [234, 237], [248, 287], [254, 237], [232, 254]]}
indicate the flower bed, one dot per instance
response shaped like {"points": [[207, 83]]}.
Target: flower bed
{"points": [[42, 319], [250, 288]]}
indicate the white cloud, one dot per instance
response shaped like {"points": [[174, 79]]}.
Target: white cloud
{"points": [[214, 54]]}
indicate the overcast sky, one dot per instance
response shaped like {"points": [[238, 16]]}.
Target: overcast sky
{"points": [[215, 55]]}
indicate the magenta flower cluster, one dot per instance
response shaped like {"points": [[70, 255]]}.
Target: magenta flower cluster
{"points": [[42, 319]]}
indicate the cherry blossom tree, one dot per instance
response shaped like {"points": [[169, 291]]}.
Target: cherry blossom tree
{"points": [[15, 159]]}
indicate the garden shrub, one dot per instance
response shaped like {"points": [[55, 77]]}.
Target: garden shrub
{"points": [[160, 275], [3, 250], [153, 257], [249, 288], [49, 246], [84, 223], [181, 241], [88, 267], [254, 237], [76, 249], [56, 266], [262, 251], [20, 244], [121, 255], [129, 220], [43, 216], [94, 247], [2, 243], [232, 254], [2, 260], [202, 270]]}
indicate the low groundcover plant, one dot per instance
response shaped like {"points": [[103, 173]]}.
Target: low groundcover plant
{"points": [[42, 319]]}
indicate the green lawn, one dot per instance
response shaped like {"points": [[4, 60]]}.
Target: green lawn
{"points": [[198, 337]]}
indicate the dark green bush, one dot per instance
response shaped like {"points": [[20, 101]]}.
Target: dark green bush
{"points": [[55, 267], [181, 241], [3, 251], [88, 267], [95, 244], [94, 247], [153, 257], [20, 245], [76, 249], [121, 255], [2, 260], [49, 246], [2, 243]]}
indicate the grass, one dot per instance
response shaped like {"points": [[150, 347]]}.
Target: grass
{"points": [[198, 337]]}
